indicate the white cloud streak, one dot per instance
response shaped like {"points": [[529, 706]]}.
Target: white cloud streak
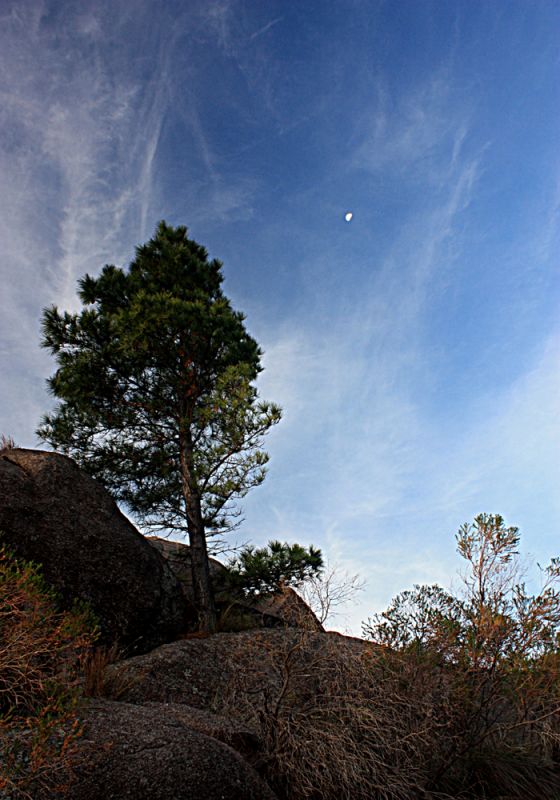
{"points": [[83, 108], [265, 28], [420, 135], [79, 139]]}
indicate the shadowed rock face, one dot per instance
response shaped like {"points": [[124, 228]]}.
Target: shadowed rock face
{"points": [[147, 753], [56, 515], [178, 556], [285, 608]]}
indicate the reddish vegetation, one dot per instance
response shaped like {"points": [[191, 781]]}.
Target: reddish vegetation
{"points": [[39, 669]]}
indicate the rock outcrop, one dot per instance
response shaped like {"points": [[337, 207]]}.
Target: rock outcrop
{"points": [[232, 732], [156, 734], [288, 606], [53, 513], [199, 671], [151, 752]]}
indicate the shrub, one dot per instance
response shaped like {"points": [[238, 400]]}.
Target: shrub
{"points": [[40, 652], [330, 590], [257, 571], [489, 659]]}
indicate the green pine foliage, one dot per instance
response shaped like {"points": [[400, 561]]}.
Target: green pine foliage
{"points": [[263, 570], [155, 380], [156, 357]]}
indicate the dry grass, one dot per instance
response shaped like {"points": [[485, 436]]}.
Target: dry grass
{"points": [[40, 650], [94, 664], [6, 443], [327, 733], [342, 719], [98, 681]]}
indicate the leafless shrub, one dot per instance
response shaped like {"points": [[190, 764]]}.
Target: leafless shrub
{"points": [[6, 443], [329, 592]]}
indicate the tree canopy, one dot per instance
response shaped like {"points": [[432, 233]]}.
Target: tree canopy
{"points": [[155, 380], [480, 668], [264, 570], [493, 621]]}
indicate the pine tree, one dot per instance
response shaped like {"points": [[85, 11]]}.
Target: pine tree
{"points": [[155, 381], [265, 570]]}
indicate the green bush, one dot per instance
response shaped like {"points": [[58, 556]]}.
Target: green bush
{"points": [[263, 570], [489, 661]]}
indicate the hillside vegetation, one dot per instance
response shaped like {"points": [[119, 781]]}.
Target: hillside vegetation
{"points": [[447, 697]]}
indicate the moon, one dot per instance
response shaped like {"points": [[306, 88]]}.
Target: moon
{"points": [[348, 216]]}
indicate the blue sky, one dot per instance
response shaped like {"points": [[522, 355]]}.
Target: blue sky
{"points": [[415, 350]]}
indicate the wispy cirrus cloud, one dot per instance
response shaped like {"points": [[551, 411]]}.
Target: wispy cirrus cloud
{"points": [[412, 350], [84, 104], [379, 482], [348, 380], [419, 134], [380, 487], [265, 28], [550, 233], [79, 138], [85, 100]]}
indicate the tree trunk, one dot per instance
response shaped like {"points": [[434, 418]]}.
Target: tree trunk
{"points": [[202, 587]]}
